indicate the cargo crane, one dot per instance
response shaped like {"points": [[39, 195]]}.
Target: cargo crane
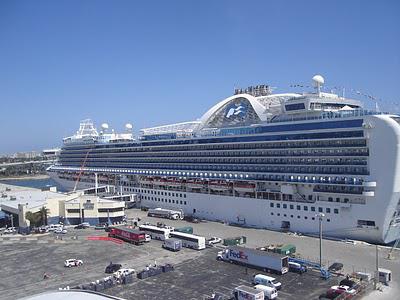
{"points": [[325, 274], [81, 170]]}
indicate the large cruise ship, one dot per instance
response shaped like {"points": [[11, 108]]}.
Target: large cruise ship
{"points": [[258, 159]]}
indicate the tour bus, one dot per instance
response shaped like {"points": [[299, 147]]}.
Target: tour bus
{"points": [[157, 233], [189, 240]]}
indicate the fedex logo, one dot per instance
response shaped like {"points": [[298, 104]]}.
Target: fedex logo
{"points": [[238, 254]]}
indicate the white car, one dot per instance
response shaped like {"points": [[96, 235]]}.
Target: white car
{"points": [[147, 237], [214, 240], [123, 272], [10, 230], [343, 289], [60, 231], [73, 263]]}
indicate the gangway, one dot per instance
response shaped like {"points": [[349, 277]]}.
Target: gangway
{"points": [[325, 274], [390, 254]]}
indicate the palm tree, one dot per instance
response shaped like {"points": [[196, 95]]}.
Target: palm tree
{"points": [[44, 213], [34, 218]]}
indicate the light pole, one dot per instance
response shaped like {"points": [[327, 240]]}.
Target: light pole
{"points": [[320, 216]]}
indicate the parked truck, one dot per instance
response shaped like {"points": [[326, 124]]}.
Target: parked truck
{"points": [[244, 292], [266, 261], [172, 244], [127, 234], [165, 213]]}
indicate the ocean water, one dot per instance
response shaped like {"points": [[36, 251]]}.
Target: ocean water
{"points": [[34, 183]]}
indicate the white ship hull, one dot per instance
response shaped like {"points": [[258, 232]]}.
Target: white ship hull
{"points": [[235, 210]]}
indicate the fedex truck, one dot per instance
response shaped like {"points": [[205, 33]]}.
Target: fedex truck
{"points": [[263, 260], [247, 293]]}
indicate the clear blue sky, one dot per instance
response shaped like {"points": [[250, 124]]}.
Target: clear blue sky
{"points": [[157, 62]]}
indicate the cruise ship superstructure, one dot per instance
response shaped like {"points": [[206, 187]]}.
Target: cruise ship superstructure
{"points": [[277, 161]]}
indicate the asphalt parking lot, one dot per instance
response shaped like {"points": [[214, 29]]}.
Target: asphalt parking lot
{"points": [[197, 273], [23, 263], [197, 278]]}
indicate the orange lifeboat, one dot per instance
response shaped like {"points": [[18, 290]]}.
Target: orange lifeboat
{"points": [[244, 187]]}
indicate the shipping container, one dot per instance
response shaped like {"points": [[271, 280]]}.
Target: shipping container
{"points": [[286, 249], [187, 229], [235, 241], [127, 234], [172, 244]]}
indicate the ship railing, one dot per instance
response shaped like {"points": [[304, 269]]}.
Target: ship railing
{"points": [[306, 117]]}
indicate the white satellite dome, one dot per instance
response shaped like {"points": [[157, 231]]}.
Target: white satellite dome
{"points": [[128, 126], [318, 80], [104, 126]]}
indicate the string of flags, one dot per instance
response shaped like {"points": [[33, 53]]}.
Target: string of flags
{"points": [[339, 89], [393, 106]]}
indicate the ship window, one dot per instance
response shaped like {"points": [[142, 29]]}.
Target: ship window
{"points": [[291, 206], [336, 211], [278, 205], [184, 202], [296, 106], [312, 208], [298, 207], [328, 210], [298, 217], [291, 216], [285, 215], [284, 205], [320, 209], [306, 208], [328, 220], [306, 217], [272, 214], [365, 223], [271, 205]]}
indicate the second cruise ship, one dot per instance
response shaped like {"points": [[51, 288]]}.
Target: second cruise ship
{"points": [[258, 159]]}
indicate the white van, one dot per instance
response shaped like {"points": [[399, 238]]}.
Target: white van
{"points": [[266, 280], [269, 291]]}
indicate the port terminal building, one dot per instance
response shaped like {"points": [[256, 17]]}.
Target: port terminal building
{"points": [[95, 205]]}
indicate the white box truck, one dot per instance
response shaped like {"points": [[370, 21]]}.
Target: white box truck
{"points": [[165, 213], [244, 292], [266, 261], [172, 244]]}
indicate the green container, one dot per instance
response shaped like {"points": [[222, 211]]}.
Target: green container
{"points": [[187, 229], [235, 241], [286, 249]]}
